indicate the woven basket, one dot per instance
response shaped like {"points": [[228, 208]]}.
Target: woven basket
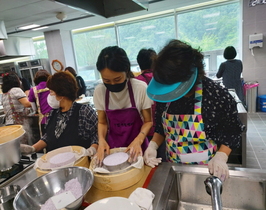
{"points": [[119, 180], [83, 161]]}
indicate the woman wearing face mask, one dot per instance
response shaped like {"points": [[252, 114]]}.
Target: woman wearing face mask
{"points": [[69, 123], [124, 109]]}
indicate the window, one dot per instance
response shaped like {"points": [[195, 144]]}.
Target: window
{"points": [[88, 45], [211, 29], [40, 48], [153, 33], [216, 28]]}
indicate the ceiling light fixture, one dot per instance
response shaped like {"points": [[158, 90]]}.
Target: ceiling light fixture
{"points": [[61, 16], [28, 27], [39, 28]]}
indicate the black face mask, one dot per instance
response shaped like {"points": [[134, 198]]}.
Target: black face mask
{"points": [[117, 87]]}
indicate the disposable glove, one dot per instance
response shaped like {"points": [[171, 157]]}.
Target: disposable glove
{"points": [[150, 155], [26, 149], [91, 151], [218, 167]]}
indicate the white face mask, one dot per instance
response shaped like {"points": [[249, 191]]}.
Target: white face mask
{"points": [[55, 104]]}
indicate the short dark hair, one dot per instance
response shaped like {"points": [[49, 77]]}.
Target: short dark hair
{"points": [[145, 58], [41, 76], [10, 80], [115, 59], [71, 70], [175, 61], [63, 84], [229, 52]]}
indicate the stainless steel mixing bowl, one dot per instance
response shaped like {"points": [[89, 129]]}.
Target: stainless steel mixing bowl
{"points": [[36, 193]]}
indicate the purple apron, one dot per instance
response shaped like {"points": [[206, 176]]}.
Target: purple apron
{"points": [[124, 124]]}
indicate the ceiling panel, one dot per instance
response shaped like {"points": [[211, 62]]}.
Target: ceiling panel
{"points": [[21, 12]]}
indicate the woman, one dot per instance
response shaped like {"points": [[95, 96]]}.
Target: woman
{"points": [[38, 96], [197, 118], [80, 81], [231, 71], [145, 58], [14, 100], [124, 110], [69, 123]]}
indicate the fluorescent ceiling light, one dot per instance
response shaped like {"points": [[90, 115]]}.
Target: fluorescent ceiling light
{"points": [[99, 26], [160, 32], [15, 60], [28, 26], [143, 40], [36, 29]]}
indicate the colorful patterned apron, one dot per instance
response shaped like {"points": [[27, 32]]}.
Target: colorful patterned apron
{"points": [[185, 137]]}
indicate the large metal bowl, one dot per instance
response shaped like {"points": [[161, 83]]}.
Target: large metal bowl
{"points": [[10, 153], [36, 193]]}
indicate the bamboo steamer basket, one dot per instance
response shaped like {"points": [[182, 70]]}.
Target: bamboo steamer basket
{"points": [[83, 161], [10, 132], [119, 180]]}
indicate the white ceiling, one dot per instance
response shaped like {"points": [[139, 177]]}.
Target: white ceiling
{"points": [[17, 13]]}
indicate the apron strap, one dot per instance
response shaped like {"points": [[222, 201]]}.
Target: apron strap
{"points": [[107, 99], [131, 95], [11, 106]]}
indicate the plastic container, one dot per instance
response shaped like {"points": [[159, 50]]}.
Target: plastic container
{"points": [[262, 102]]}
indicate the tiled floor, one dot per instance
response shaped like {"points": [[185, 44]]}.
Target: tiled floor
{"points": [[256, 140]]}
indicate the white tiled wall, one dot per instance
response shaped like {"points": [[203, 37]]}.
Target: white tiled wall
{"points": [[254, 67]]}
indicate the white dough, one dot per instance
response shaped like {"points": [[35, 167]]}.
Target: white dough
{"points": [[62, 159], [115, 159]]}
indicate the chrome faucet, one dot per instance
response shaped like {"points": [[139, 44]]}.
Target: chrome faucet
{"points": [[214, 188]]}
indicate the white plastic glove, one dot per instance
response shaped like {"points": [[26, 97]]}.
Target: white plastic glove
{"points": [[218, 167], [26, 149], [150, 155], [91, 151]]}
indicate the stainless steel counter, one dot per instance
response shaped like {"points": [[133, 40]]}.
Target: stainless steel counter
{"points": [[179, 187], [24, 177]]}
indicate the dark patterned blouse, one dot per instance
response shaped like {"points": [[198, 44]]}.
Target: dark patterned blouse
{"points": [[219, 113]]}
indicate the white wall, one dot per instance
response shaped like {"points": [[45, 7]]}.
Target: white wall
{"points": [[254, 67]]}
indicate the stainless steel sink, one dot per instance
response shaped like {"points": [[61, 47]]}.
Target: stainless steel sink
{"points": [[181, 187]]}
